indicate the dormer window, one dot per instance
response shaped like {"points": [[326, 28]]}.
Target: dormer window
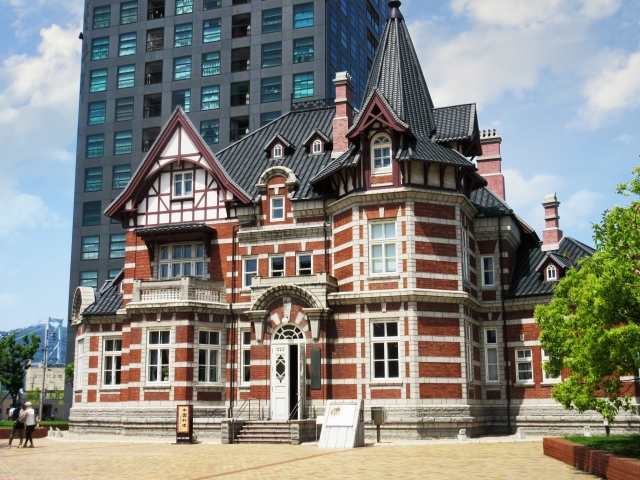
{"points": [[381, 153], [182, 185], [277, 151], [317, 147], [552, 273]]}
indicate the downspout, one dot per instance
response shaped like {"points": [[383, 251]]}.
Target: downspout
{"points": [[324, 228], [504, 328]]}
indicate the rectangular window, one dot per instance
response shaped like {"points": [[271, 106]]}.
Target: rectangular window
{"points": [[182, 68], [271, 54], [101, 17], [491, 342], [155, 39], [239, 94], [97, 113], [372, 44], [210, 97], [383, 248], [209, 356], [524, 366], [79, 366], [128, 12], [487, 272], [303, 50], [117, 245], [211, 30], [90, 248], [121, 176], [127, 44], [184, 6], [305, 264], [334, 55], [303, 15], [373, 17], [126, 76], [276, 266], [277, 209], [112, 362], [546, 378], [98, 80], [124, 109], [122, 144], [89, 279], [100, 48], [303, 85], [93, 179], [210, 131], [250, 270], [343, 36], [354, 48], [95, 145], [465, 255], [468, 338], [246, 356], [158, 356], [183, 35], [182, 184], [182, 261], [334, 22], [272, 20], [212, 4], [113, 274], [91, 213], [271, 90], [268, 117], [181, 98], [384, 344], [210, 64]]}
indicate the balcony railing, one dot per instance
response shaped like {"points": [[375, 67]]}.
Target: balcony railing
{"points": [[239, 31], [236, 134], [240, 65], [152, 111], [238, 99], [178, 290], [154, 13], [151, 78]]}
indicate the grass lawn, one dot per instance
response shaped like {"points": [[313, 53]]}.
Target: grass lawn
{"points": [[625, 445], [9, 423]]}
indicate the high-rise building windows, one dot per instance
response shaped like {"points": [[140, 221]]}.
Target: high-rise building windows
{"points": [[124, 109], [303, 50], [117, 244], [89, 279], [334, 22], [128, 12], [113, 274], [271, 54], [268, 117], [155, 39], [126, 76], [181, 98], [210, 97], [344, 39], [334, 55], [90, 248], [272, 20], [122, 142], [303, 85], [93, 179], [183, 35], [102, 17], [91, 212], [373, 17], [100, 48], [354, 48], [211, 4], [208, 356], [271, 90], [95, 145], [303, 15], [121, 176], [98, 80], [209, 129], [210, 64], [372, 43], [97, 113], [343, 7], [182, 68], [127, 45], [184, 6], [240, 94], [211, 30]]}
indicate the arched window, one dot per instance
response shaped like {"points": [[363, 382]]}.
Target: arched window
{"points": [[277, 151], [552, 273], [381, 153], [317, 147], [288, 332]]}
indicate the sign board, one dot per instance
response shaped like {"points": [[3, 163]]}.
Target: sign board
{"points": [[184, 424], [341, 415], [343, 424]]}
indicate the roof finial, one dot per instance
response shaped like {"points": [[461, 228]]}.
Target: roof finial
{"points": [[394, 5]]}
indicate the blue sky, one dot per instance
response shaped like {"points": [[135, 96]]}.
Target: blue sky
{"points": [[558, 79]]}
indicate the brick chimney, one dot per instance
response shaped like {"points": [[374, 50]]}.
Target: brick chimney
{"points": [[344, 112], [490, 162], [551, 235]]}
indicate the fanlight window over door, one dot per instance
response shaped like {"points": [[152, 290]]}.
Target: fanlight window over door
{"points": [[288, 332]]}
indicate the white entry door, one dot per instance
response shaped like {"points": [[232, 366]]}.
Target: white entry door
{"points": [[280, 382]]}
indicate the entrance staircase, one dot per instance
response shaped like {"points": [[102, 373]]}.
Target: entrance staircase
{"points": [[264, 432]]}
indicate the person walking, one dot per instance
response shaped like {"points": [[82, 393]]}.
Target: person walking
{"points": [[14, 414], [31, 424]]}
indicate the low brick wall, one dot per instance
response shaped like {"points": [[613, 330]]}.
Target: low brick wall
{"points": [[42, 432], [597, 462]]}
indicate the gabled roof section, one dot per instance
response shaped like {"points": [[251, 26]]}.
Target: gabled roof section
{"points": [[348, 159], [488, 204], [316, 133], [109, 299], [277, 138], [458, 123]]}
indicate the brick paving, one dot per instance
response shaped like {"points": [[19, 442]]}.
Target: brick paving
{"points": [[60, 459]]}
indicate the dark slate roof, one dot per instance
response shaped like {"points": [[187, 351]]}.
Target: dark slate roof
{"points": [[455, 123], [246, 160], [528, 281], [488, 203], [178, 227], [109, 301], [347, 159], [424, 149]]}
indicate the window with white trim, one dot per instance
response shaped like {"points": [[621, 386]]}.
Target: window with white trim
{"points": [[468, 338], [182, 184], [246, 356], [488, 279], [250, 270], [185, 260], [491, 354], [305, 264], [209, 356], [552, 273], [79, 364], [158, 348], [316, 147], [277, 151], [277, 209], [111, 362], [276, 266], [465, 255], [380, 154], [383, 248], [385, 348], [546, 378], [524, 366]]}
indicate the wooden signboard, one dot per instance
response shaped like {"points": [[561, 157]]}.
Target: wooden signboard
{"points": [[184, 424]]}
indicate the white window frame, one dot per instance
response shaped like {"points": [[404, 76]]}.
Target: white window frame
{"points": [[383, 242], [167, 264], [80, 364], [316, 147], [273, 208], [385, 340], [298, 269], [284, 266], [554, 270], [210, 348], [522, 361], [278, 151], [485, 271], [158, 348], [381, 146], [465, 255], [184, 179], [113, 356], [468, 339], [491, 346], [545, 377], [246, 271], [245, 356]]}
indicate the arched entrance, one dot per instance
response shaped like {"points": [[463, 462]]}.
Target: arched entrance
{"points": [[288, 366]]}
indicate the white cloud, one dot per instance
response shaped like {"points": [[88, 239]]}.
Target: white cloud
{"points": [[8, 301], [22, 210], [580, 210]]}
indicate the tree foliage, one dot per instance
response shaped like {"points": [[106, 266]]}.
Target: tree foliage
{"points": [[592, 325], [68, 373], [15, 359]]}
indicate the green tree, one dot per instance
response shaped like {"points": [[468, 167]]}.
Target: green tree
{"points": [[68, 373], [15, 359], [592, 325]]}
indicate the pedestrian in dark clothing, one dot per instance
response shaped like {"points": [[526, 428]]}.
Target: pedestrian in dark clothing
{"points": [[18, 426]]}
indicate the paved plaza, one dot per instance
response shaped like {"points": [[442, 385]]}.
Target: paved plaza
{"points": [[105, 459]]}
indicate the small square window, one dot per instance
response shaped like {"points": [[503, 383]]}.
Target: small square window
{"points": [[303, 15], [126, 76], [93, 179], [123, 143], [128, 12], [183, 35], [127, 45], [181, 98], [277, 209], [305, 264], [102, 17], [89, 279], [316, 147], [95, 146], [98, 80], [210, 64], [276, 266], [182, 68], [121, 176], [100, 48], [182, 185]]}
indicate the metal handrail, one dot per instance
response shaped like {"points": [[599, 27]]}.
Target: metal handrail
{"points": [[294, 411], [245, 404]]}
